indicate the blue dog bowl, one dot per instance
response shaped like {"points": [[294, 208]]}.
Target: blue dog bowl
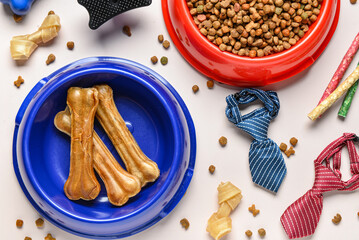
{"points": [[19, 7], [159, 121]]}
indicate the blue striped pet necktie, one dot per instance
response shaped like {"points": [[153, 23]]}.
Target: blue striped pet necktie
{"points": [[266, 162]]}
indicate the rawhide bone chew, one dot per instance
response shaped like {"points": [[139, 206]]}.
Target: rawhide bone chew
{"points": [[334, 96], [137, 163], [120, 185], [21, 47], [220, 224], [82, 182]]}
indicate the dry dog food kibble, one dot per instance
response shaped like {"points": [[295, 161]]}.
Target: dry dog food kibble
{"points": [[160, 38], [222, 141], [337, 218], [166, 44], [293, 141], [19, 81], [50, 59], [253, 210], [283, 147], [27, 238], [49, 237], [70, 45], [289, 152], [19, 223], [254, 28], [39, 222], [185, 223], [17, 18], [164, 60], [261, 232], [154, 59], [249, 233], [353, 1], [210, 84], [195, 88], [211, 169], [127, 30]]}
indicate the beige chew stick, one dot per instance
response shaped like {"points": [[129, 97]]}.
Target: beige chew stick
{"points": [[334, 96]]}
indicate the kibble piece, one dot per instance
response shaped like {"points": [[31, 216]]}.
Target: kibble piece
{"points": [[195, 88], [211, 169], [50, 59], [249, 233], [222, 141], [337, 218], [289, 152], [166, 44], [353, 1], [164, 60], [154, 59], [27, 238], [19, 81], [39, 222], [70, 45], [51, 13], [261, 232], [160, 38], [19, 223], [293, 141], [49, 237], [185, 223], [127, 30], [210, 84], [283, 147], [17, 18], [253, 210]]}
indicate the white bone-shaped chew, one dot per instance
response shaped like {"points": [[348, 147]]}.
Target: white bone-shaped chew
{"points": [[82, 182], [120, 185], [220, 224], [137, 163], [21, 47]]}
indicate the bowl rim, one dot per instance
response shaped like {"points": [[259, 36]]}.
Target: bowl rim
{"points": [[186, 176], [188, 21]]}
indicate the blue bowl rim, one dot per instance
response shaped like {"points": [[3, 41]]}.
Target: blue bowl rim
{"points": [[186, 178]]}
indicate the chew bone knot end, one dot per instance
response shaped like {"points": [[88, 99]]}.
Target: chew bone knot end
{"points": [[266, 162], [301, 218]]}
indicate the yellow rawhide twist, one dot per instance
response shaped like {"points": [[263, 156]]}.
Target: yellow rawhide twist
{"points": [[21, 47], [220, 224]]}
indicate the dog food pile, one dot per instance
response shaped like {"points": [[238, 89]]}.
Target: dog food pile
{"points": [[254, 28]]}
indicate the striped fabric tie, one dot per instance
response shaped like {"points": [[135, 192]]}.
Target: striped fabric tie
{"points": [[302, 217], [266, 162]]}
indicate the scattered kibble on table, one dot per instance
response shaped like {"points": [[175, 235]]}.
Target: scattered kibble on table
{"points": [[160, 38], [19, 81], [19, 223], [49, 237], [211, 169], [222, 141], [283, 147], [353, 1], [39, 222], [253, 210], [210, 84], [185, 223], [249, 233], [17, 18], [293, 141], [70, 45], [127, 30], [337, 218], [27, 238], [289, 152], [166, 44], [154, 59], [195, 88], [50, 59], [261, 232], [164, 60]]}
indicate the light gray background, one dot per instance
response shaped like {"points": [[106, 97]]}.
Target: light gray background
{"points": [[298, 96]]}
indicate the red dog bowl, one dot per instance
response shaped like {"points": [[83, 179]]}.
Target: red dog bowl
{"points": [[242, 71]]}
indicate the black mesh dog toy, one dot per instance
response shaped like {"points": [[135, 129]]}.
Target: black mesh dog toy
{"points": [[101, 11]]}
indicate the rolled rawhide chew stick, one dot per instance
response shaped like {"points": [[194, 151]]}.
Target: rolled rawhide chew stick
{"points": [[348, 99], [220, 224], [334, 96], [120, 185], [21, 47], [82, 182], [136, 162]]}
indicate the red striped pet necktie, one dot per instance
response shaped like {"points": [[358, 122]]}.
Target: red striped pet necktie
{"points": [[302, 217]]}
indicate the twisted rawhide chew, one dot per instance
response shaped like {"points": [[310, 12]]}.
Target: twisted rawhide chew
{"points": [[120, 185], [220, 224], [21, 47], [137, 163], [82, 182]]}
